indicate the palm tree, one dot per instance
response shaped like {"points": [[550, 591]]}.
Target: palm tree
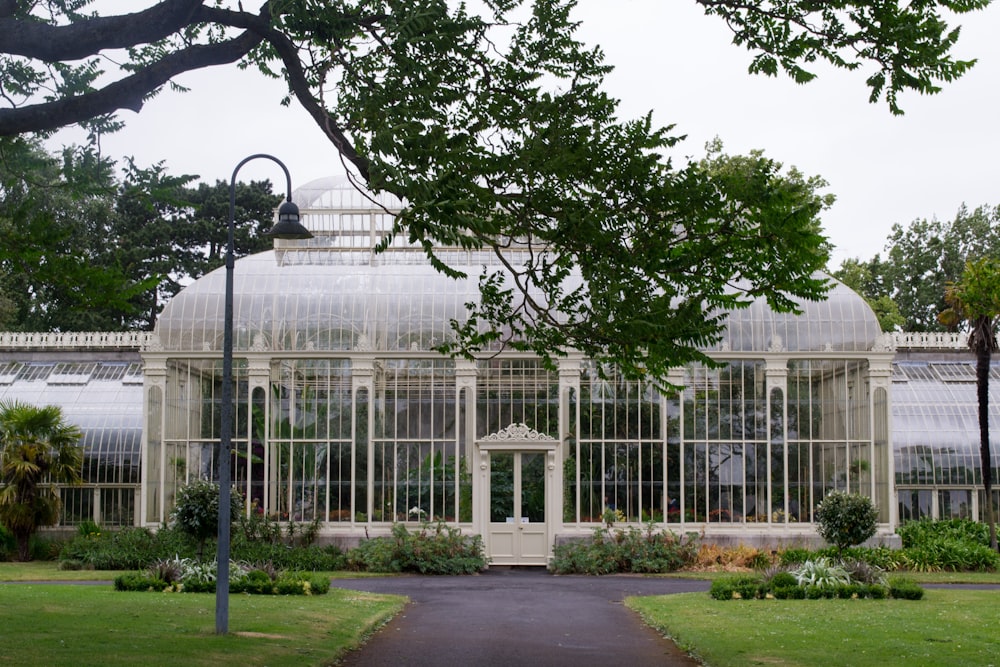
{"points": [[38, 449], [977, 299]]}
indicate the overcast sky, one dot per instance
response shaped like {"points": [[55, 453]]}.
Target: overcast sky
{"points": [[680, 64]]}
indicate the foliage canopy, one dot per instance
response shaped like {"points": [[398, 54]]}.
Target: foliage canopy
{"points": [[491, 124]]}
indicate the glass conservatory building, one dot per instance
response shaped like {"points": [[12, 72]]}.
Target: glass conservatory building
{"points": [[346, 415]]}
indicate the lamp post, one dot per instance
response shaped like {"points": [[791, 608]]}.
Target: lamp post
{"points": [[287, 227]]}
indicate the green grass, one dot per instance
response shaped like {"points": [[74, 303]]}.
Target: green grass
{"points": [[47, 570], [75, 625], [948, 627]]}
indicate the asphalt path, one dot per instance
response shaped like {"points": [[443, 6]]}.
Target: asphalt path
{"points": [[516, 616]]}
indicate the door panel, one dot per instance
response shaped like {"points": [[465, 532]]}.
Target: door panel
{"points": [[518, 532]]}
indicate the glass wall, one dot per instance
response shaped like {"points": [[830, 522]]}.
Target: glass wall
{"points": [[103, 398]]}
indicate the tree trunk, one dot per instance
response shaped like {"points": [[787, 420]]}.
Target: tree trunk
{"points": [[23, 547], [983, 355]]}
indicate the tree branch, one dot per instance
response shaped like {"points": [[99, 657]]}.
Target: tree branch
{"points": [[75, 41], [130, 92]]}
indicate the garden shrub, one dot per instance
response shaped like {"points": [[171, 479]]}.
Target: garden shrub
{"points": [[737, 586], [903, 588], [301, 584], [915, 533], [790, 592], [949, 554], [880, 556], [821, 573], [876, 591], [433, 549], [846, 519], [645, 550], [196, 511], [139, 581], [714, 557], [862, 572], [127, 548], [794, 556], [254, 582], [783, 579]]}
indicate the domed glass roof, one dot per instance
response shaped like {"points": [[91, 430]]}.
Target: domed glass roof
{"points": [[843, 322], [333, 292]]}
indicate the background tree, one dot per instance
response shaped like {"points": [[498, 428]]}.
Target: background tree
{"points": [[861, 277], [38, 449], [55, 220], [84, 251], [493, 127], [169, 232], [976, 300], [921, 259]]}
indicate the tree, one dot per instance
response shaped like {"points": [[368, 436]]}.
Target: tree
{"points": [[38, 449], [168, 232], [921, 259], [494, 130], [55, 218], [861, 277], [84, 251], [976, 299]]}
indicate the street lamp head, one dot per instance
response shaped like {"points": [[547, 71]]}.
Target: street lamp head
{"points": [[288, 225]]}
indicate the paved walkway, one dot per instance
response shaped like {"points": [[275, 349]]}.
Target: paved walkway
{"points": [[508, 617]]}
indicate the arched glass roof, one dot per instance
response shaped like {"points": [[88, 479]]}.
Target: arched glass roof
{"points": [[102, 398], [333, 292], [843, 322], [935, 422]]}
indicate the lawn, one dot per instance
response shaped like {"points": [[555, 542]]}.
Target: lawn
{"points": [[72, 625], [948, 627]]}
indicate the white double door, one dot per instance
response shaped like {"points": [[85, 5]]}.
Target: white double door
{"points": [[517, 530]]}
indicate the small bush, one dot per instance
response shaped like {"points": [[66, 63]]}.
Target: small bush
{"points": [[916, 533], [739, 586], [902, 588], [138, 581], [196, 511], [791, 592], [821, 573], [862, 572], [881, 556], [433, 549], [783, 579], [301, 584], [794, 556], [846, 519], [630, 550], [254, 582]]}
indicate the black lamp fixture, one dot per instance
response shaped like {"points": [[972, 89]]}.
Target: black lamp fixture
{"points": [[288, 226]]}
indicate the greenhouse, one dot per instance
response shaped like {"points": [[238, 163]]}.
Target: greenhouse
{"points": [[344, 413]]}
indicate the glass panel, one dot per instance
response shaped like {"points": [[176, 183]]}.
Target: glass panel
{"points": [[154, 456], [982, 504], [381, 501], [533, 487], [501, 487], [571, 481], [117, 507], [77, 505], [955, 504], [775, 509], [915, 504]]}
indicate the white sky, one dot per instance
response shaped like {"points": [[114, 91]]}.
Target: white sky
{"points": [[674, 60]]}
